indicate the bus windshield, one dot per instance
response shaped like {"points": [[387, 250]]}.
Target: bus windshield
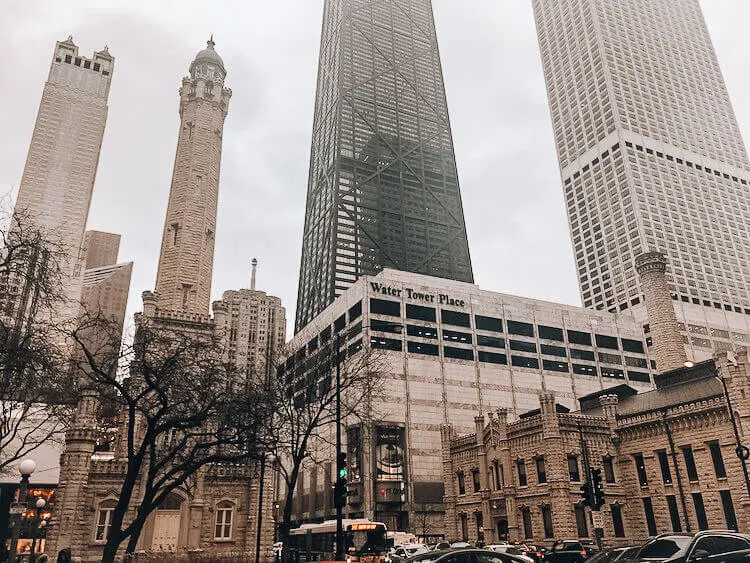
{"points": [[363, 542]]}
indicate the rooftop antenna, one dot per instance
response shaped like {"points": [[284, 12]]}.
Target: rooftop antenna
{"points": [[253, 268]]}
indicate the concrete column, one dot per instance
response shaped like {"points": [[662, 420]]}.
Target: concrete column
{"points": [[668, 348]]}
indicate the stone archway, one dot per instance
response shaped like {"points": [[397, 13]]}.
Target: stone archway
{"points": [[167, 520]]}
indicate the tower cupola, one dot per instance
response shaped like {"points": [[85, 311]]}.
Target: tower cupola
{"points": [[208, 64]]}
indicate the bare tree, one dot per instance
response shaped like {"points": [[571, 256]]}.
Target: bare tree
{"points": [[181, 409], [35, 400], [305, 410]]}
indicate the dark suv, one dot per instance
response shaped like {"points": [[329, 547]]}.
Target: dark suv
{"points": [[569, 551], [710, 546]]}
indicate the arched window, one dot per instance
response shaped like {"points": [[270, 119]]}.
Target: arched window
{"points": [[224, 517], [104, 519], [172, 502]]}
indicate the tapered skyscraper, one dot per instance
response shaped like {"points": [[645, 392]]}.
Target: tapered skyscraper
{"points": [[650, 153], [58, 179], [183, 280], [383, 188]]}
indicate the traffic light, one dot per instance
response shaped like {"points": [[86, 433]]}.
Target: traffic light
{"points": [[597, 487], [340, 489], [586, 494], [340, 493]]}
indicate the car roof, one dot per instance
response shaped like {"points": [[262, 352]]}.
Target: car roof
{"points": [[441, 552]]}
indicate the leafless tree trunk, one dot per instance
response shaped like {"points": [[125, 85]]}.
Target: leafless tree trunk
{"points": [[183, 410], [305, 411]]}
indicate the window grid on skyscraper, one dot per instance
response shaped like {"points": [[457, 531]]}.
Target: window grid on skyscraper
{"points": [[383, 188], [650, 152]]}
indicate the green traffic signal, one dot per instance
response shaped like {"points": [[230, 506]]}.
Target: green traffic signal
{"points": [[343, 472]]}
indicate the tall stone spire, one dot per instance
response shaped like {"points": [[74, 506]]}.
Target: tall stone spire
{"points": [[183, 281]]}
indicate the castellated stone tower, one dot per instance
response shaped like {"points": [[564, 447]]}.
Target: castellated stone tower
{"points": [[183, 281], [668, 349]]}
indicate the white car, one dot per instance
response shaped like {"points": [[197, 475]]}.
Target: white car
{"points": [[514, 550], [409, 549]]}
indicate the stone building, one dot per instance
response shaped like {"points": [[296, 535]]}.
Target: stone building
{"points": [[449, 349], [667, 457], [256, 327], [227, 510]]}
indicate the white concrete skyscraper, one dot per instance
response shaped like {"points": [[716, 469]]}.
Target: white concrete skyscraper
{"points": [[58, 179], [650, 154]]}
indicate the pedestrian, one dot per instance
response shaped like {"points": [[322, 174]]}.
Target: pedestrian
{"points": [[63, 556]]}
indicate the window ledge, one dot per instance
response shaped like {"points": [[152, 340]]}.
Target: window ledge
{"points": [[224, 540]]}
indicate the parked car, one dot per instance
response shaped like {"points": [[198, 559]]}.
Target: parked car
{"points": [[536, 553], [614, 554], [409, 550], [568, 551], [440, 546], [460, 545], [709, 546], [464, 556], [517, 550]]}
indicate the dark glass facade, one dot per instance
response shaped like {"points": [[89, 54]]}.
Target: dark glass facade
{"points": [[383, 188]]}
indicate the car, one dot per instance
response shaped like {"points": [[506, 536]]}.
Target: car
{"points": [[709, 546], [460, 545], [440, 546], [614, 554], [568, 551], [519, 551], [409, 550], [464, 556]]}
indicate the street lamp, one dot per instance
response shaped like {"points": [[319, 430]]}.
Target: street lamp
{"points": [[26, 468], [382, 325], [39, 524]]}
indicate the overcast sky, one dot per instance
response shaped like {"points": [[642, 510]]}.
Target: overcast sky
{"points": [[518, 234]]}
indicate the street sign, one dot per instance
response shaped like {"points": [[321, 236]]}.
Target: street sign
{"points": [[597, 519]]}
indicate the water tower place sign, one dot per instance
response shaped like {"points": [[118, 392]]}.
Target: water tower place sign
{"points": [[422, 296]]}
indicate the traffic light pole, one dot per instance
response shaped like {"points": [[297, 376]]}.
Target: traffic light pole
{"points": [[339, 507]]}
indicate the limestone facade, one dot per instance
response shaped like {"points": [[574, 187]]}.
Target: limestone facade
{"points": [[461, 349], [187, 252], [668, 350], [58, 178], [256, 329], [227, 494], [222, 513], [100, 249], [668, 460]]}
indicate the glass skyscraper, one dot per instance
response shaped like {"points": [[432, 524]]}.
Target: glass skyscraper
{"points": [[651, 156], [383, 188]]}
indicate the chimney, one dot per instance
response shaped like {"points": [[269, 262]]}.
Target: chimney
{"points": [[668, 349], [253, 268]]}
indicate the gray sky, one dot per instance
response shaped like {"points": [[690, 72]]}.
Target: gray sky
{"points": [[518, 232]]}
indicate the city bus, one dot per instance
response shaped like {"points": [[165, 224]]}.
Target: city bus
{"points": [[365, 542]]}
